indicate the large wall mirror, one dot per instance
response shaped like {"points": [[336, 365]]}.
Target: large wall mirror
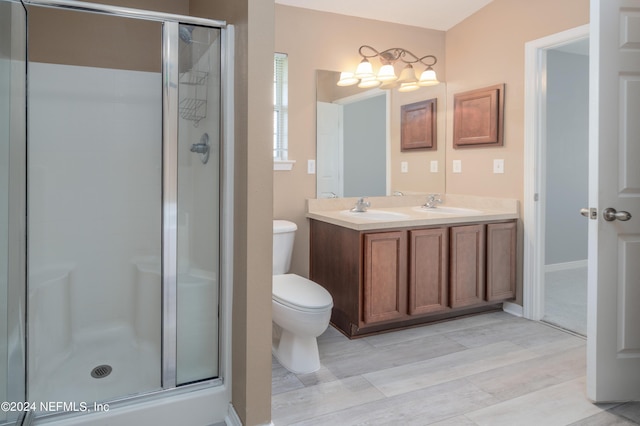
{"points": [[358, 141]]}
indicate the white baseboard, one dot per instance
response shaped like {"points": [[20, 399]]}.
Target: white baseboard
{"points": [[566, 265], [512, 308], [232, 418]]}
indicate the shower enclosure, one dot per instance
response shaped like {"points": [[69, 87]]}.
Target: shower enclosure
{"points": [[112, 257]]}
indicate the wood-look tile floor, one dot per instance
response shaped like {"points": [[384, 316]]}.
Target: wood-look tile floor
{"points": [[491, 369]]}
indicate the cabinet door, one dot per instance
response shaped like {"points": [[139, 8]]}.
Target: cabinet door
{"points": [[428, 270], [501, 261], [384, 280], [467, 265]]}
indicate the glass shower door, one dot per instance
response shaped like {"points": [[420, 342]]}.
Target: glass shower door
{"points": [[12, 206], [198, 248], [95, 197], [105, 165]]}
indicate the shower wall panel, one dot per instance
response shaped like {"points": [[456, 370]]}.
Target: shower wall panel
{"points": [[94, 192], [94, 211]]}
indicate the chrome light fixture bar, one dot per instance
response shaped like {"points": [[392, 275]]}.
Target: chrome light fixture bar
{"points": [[386, 77]]}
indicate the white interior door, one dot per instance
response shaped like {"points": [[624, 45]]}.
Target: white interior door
{"points": [[613, 348], [329, 129]]}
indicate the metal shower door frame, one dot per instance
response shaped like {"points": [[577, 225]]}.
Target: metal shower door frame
{"points": [[16, 253], [170, 117]]}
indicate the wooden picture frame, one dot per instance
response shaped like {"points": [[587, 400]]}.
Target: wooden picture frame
{"points": [[478, 117], [418, 125]]}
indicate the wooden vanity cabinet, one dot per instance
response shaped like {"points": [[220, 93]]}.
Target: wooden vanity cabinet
{"points": [[501, 261], [385, 284], [428, 271], [467, 265], [387, 279]]}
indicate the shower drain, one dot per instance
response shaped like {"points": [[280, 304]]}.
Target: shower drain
{"points": [[101, 371]]}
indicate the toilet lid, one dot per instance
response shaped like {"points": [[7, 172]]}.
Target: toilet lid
{"points": [[298, 292], [280, 226]]}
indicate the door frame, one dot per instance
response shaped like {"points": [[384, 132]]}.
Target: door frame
{"points": [[535, 123]]}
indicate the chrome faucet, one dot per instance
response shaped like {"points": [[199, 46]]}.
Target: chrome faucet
{"points": [[432, 200], [361, 206]]}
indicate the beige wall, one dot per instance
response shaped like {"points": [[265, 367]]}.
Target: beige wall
{"points": [[253, 229], [485, 49], [488, 48], [419, 179], [317, 40], [62, 37]]}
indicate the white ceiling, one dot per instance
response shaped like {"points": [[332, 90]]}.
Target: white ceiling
{"points": [[434, 14]]}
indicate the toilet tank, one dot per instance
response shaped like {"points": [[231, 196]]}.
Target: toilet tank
{"points": [[283, 235]]}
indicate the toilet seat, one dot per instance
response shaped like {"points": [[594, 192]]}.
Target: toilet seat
{"points": [[300, 293]]}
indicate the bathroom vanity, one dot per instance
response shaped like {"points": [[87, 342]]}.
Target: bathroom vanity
{"points": [[403, 265]]}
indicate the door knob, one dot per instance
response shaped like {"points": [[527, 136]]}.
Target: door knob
{"points": [[610, 214]]}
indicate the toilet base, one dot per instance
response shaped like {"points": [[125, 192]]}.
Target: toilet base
{"points": [[297, 354]]}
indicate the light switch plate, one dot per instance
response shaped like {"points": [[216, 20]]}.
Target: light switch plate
{"points": [[311, 167], [433, 166], [457, 166], [404, 167], [498, 165]]}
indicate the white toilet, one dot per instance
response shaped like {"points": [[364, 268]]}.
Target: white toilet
{"points": [[301, 308]]}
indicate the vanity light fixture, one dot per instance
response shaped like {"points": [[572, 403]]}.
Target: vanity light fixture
{"points": [[386, 77]]}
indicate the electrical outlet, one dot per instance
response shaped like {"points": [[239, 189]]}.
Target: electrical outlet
{"points": [[404, 167], [433, 166], [457, 166], [311, 167], [498, 166]]}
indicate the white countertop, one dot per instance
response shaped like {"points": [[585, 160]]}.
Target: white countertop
{"points": [[405, 211]]}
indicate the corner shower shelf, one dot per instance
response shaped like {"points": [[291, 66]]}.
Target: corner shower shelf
{"points": [[193, 107], [194, 78]]}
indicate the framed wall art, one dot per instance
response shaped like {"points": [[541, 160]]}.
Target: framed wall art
{"points": [[478, 117], [418, 125]]}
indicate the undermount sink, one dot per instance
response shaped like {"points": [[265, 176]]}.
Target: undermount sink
{"points": [[447, 210], [375, 215]]}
